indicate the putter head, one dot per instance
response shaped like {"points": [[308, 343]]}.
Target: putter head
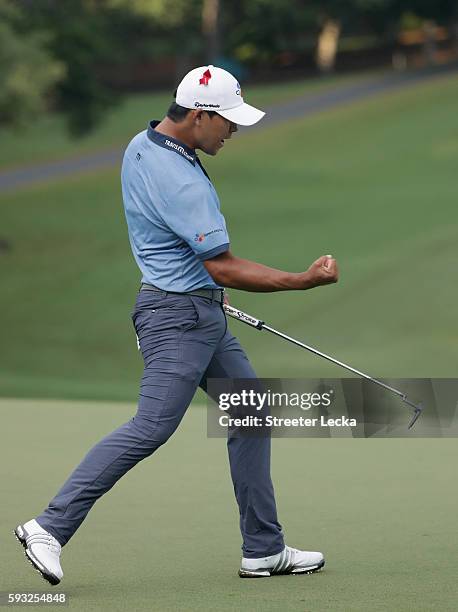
{"points": [[417, 411]]}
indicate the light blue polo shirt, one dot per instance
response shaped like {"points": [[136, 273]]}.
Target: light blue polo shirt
{"points": [[172, 212]]}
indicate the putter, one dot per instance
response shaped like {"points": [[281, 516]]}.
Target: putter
{"points": [[258, 324]]}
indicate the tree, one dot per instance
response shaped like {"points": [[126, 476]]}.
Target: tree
{"points": [[93, 37], [82, 36], [211, 29], [28, 72]]}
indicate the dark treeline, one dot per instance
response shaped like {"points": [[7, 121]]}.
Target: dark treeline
{"points": [[77, 56]]}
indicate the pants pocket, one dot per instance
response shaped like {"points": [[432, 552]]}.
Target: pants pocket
{"points": [[173, 313]]}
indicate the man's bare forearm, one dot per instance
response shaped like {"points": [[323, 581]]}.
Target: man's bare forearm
{"points": [[238, 273], [234, 272]]}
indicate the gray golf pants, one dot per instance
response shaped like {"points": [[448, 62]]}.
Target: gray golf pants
{"points": [[184, 340]]}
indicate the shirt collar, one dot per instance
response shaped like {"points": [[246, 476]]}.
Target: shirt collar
{"points": [[171, 143]]}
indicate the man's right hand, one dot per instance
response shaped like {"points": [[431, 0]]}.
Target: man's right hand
{"points": [[323, 271]]}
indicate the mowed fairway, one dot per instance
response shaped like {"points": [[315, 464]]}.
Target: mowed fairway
{"points": [[48, 139], [166, 537], [373, 183]]}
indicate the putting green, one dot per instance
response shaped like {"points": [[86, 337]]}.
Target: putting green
{"points": [[166, 537]]}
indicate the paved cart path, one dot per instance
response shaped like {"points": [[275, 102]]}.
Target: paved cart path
{"points": [[302, 106]]}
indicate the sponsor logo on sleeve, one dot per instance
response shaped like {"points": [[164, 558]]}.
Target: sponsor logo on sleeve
{"points": [[201, 237]]}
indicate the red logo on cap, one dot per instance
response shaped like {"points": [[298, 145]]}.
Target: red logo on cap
{"points": [[205, 77]]}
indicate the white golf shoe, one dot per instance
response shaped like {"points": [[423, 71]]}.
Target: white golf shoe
{"points": [[41, 549], [289, 561]]}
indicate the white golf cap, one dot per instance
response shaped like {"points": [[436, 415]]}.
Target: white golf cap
{"points": [[214, 89]]}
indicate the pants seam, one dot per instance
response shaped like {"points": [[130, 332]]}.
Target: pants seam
{"points": [[166, 399]]}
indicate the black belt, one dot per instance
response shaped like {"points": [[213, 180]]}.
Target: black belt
{"points": [[211, 294]]}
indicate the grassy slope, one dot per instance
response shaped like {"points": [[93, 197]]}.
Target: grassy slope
{"points": [[386, 524], [373, 183], [47, 138]]}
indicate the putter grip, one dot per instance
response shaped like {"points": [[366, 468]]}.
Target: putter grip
{"points": [[242, 316]]}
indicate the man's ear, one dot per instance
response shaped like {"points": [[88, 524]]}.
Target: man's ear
{"points": [[197, 116]]}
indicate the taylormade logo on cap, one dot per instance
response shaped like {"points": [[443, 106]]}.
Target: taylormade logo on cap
{"points": [[212, 88]]}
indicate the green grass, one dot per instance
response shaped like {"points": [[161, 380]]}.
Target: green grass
{"points": [[47, 139], [166, 537], [373, 183]]}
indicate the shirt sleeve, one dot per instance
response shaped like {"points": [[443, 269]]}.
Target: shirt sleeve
{"points": [[192, 212]]}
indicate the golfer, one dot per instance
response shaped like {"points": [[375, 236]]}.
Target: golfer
{"points": [[181, 244]]}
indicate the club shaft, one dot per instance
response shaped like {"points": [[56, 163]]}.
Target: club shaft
{"points": [[260, 325], [329, 358]]}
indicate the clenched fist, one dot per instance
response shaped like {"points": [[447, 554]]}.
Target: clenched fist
{"points": [[323, 271]]}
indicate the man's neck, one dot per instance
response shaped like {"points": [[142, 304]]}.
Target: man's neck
{"points": [[175, 130]]}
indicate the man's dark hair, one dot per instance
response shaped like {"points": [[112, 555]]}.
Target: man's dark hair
{"points": [[178, 113]]}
